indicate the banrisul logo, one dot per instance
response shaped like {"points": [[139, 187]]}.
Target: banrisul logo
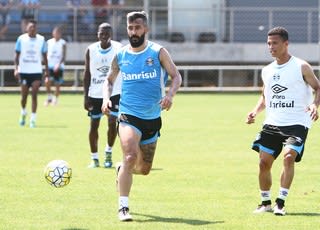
{"points": [[278, 88]]}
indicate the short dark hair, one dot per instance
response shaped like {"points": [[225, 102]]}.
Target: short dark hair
{"points": [[32, 21], [281, 31], [138, 14], [105, 25]]}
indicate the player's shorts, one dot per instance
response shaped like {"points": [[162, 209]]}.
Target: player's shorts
{"points": [[273, 138], [56, 77], [115, 105], [27, 79], [148, 129], [95, 112]]}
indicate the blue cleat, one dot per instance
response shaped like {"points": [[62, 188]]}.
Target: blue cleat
{"points": [[22, 120], [108, 160]]}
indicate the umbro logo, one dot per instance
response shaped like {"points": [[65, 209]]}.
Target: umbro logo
{"points": [[103, 69], [278, 88]]}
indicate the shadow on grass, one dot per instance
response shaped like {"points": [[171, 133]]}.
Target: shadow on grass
{"points": [[51, 126], [75, 229], [152, 218], [303, 214]]}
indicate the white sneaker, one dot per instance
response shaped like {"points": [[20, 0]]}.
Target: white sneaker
{"points": [[124, 214], [263, 208], [279, 211]]}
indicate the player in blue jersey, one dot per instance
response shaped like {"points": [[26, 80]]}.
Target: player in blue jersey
{"points": [[144, 67]]}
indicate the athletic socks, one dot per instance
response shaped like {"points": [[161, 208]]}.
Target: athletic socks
{"points": [[123, 202], [94, 156]]}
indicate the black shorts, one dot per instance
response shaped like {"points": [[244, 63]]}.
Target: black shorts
{"points": [[57, 77], [115, 105], [28, 79], [273, 138], [95, 111], [149, 129]]}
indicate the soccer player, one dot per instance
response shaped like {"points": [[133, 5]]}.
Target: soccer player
{"points": [[288, 83], [144, 67], [56, 57], [98, 59], [30, 52]]}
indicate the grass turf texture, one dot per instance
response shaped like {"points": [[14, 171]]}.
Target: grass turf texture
{"points": [[204, 174]]}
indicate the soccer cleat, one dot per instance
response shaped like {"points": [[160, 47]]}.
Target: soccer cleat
{"points": [[263, 208], [94, 164], [124, 214], [108, 160], [54, 101], [47, 102], [279, 209], [22, 120], [32, 124]]}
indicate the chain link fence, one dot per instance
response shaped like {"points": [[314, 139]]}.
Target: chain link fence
{"points": [[207, 21]]}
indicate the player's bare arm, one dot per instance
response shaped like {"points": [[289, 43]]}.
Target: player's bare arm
{"points": [[257, 109], [16, 64], [45, 63], [170, 67], [86, 80], [108, 85], [313, 81]]}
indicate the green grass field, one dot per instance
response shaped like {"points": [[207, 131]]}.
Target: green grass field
{"points": [[204, 175]]}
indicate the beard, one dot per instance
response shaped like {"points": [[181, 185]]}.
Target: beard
{"points": [[136, 41]]}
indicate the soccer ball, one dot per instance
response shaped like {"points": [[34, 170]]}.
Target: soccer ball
{"points": [[58, 173]]}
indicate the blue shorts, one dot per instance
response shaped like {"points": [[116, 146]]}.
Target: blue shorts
{"points": [[56, 77], [273, 138], [148, 129]]}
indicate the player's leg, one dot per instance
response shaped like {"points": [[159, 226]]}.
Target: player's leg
{"points": [[269, 146], [293, 151], [265, 164], [288, 168], [111, 137], [129, 139], [35, 85], [24, 95], [57, 94], [58, 80], [48, 90], [265, 181], [145, 158], [286, 179], [112, 129], [93, 141]]}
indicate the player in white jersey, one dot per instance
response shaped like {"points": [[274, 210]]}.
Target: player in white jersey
{"points": [[288, 83], [31, 51], [144, 66], [97, 63], [56, 57]]}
